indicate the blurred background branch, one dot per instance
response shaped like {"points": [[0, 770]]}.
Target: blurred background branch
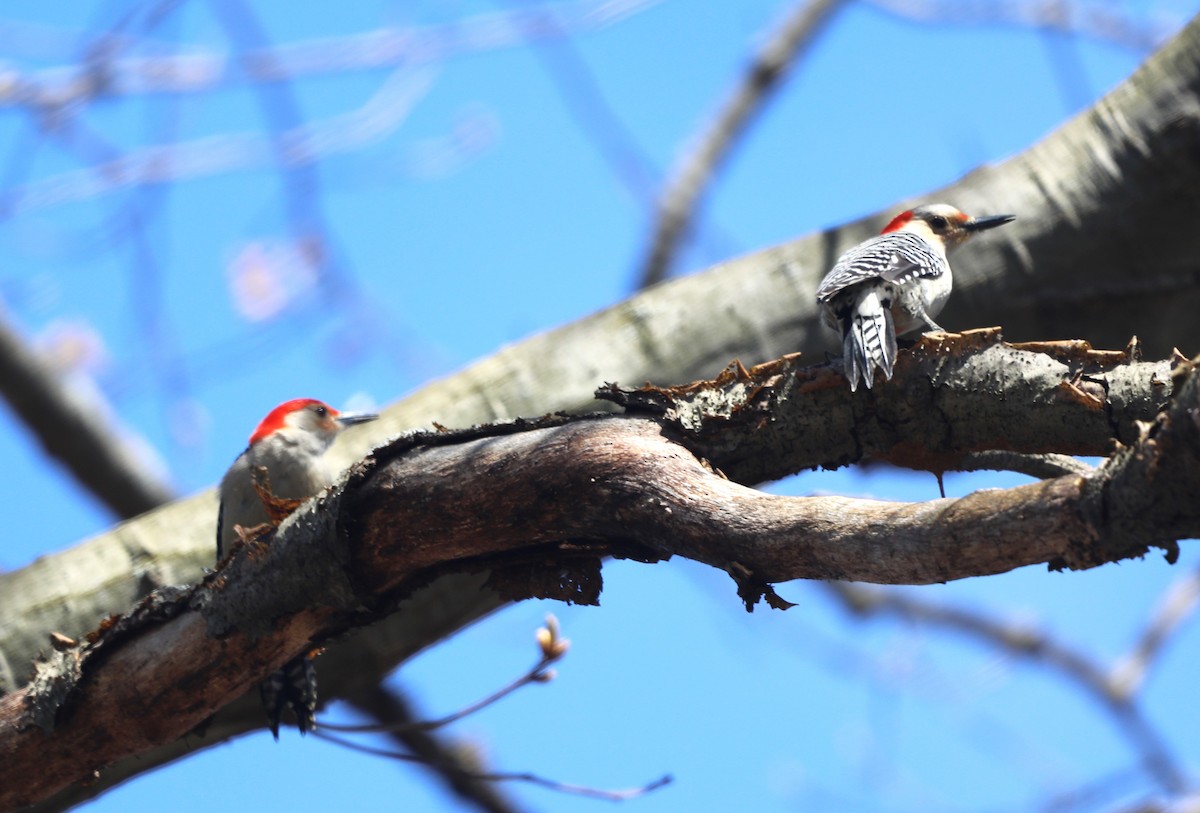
{"points": [[685, 188]]}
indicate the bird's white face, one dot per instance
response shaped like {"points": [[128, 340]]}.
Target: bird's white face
{"points": [[951, 225], [317, 418], [944, 221]]}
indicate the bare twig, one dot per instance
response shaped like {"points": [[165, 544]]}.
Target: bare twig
{"points": [[1019, 639], [683, 191], [1092, 795], [531, 778], [453, 765], [585, 101], [553, 648], [580, 790], [443, 758], [303, 144]]}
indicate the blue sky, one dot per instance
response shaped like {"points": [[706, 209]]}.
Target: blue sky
{"points": [[485, 214]]}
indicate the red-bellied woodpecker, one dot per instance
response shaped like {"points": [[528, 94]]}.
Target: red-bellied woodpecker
{"points": [[283, 466], [893, 284]]}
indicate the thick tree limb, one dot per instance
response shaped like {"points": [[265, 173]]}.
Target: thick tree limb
{"points": [[759, 424], [953, 395], [941, 405], [350, 666], [551, 497]]}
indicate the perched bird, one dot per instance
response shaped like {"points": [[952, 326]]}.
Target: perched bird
{"points": [[283, 466], [894, 284]]}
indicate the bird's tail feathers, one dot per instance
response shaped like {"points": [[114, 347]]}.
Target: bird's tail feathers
{"points": [[869, 341], [294, 686]]}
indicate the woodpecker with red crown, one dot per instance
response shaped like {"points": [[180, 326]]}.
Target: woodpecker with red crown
{"points": [[894, 284], [283, 466]]}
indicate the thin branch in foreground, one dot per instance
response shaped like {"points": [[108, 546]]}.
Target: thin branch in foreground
{"points": [[534, 779], [553, 648], [444, 758], [580, 790], [677, 204]]}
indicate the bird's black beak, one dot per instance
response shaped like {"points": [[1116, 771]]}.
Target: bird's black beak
{"points": [[988, 222], [351, 418]]}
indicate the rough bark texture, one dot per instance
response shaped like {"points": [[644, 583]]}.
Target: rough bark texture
{"points": [[950, 396], [352, 664], [547, 499]]}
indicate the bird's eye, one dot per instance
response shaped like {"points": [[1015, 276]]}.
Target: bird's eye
{"points": [[321, 411], [937, 222]]}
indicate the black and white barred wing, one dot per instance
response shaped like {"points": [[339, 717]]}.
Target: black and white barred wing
{"points": [[897, 258]]}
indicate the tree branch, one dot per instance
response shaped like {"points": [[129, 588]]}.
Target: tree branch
{"points": [[548, 498], [1041, 466], [760, 424], [354, 664], [439, 756], [75, 432], [938, 410]]}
